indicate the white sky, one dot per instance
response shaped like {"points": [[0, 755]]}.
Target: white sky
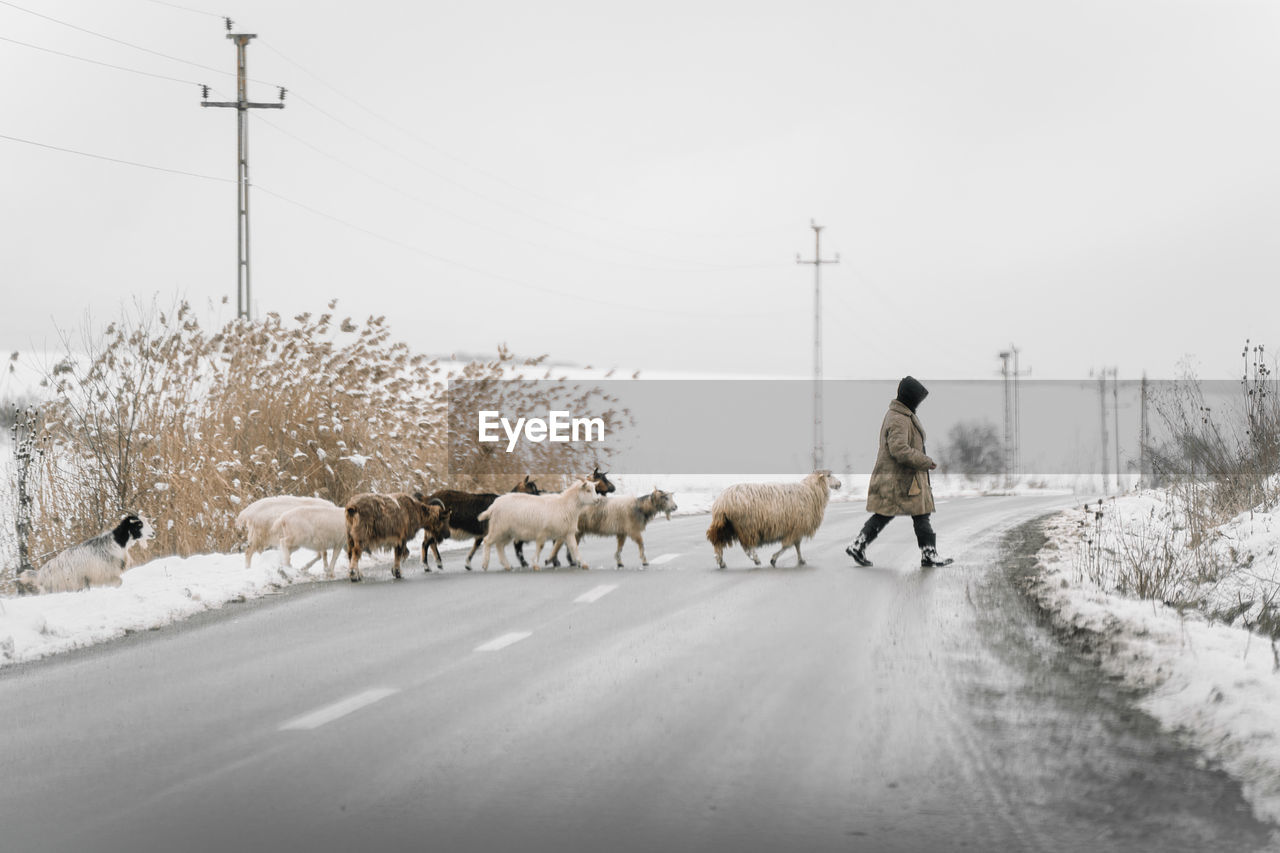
{"points": [[1096, 182]]}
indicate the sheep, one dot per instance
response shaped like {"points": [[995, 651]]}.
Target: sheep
{"points": [[537, 518], [323, 529], [464, 509], [378, 520], [622, 516], [98, 561], [256, 520], [759, 513]]}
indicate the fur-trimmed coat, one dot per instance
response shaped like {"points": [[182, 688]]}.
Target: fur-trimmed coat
{"points": [[900, 481]]}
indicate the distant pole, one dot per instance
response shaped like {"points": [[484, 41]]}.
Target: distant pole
{"points": [[817, 338], [1115, 413], [1102, 407], [241, 105], [1012, 413], [1008, 417], [1143, 438], [1017, 413]]}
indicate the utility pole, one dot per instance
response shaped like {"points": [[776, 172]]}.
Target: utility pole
{"points": [[1144, 437], [1018, 373], [1115, 413], [1106, 441], [1008, 417], [817, 337], [1012, 413], [242, 105]]}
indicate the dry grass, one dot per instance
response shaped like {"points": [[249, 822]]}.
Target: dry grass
{"points": [[156, 415], [1221, 463]]}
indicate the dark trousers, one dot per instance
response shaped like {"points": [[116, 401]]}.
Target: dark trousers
{"points": [[925, 537]]}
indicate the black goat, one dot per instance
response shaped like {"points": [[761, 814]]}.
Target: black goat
{"points": [[464, 523]]}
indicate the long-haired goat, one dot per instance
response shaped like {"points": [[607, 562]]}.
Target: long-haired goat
{"points": [[756, 514], [464, 522], [256, 520], [622, 516], [538, 519], [323, 529], [380, 520], [98, 561]]}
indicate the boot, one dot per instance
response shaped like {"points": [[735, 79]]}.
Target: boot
{"points": [[858, 549], [929, 558]]}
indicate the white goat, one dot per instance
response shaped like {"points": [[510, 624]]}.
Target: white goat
{"points": [[537, 519], [759, 513], [256, 520], [98, 561], [323, 529], [622, 516]]}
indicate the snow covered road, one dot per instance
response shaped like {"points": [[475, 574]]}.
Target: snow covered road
{"points": [[681, 708]]}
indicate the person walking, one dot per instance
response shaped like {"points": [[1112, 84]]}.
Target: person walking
{"points": [[900, 481]]}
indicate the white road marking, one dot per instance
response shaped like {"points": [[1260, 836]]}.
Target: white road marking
{"points": [[662, 558], [595, 594], [504, 641], [329, 713]]}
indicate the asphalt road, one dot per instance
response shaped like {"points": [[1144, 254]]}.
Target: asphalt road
{"points": [[679, 708]]}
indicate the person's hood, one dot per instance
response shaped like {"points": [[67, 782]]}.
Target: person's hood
{"points": [[911, 393]]}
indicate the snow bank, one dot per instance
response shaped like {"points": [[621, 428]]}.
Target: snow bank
{"points": [[152, 595], [1217, 685]]}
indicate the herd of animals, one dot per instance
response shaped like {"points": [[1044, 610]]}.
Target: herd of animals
{"points": [[752, 514]]}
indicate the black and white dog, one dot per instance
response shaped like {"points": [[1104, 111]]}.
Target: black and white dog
{"points": [[94, 562]]}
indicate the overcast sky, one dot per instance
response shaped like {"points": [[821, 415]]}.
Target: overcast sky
{"points": [[629, 183]]}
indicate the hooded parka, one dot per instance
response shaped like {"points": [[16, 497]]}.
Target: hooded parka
{"points": [[900, 481]]}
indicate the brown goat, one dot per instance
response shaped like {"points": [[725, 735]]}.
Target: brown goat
{"points": [[375, 521]]}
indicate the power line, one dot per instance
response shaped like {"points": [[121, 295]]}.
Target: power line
{"points": [[477, 169], [115, 159], [97, 34], [186, 8], [579, 297], [466, 220], [498, 202], [380, 143], [576, 297], [97, 62]]}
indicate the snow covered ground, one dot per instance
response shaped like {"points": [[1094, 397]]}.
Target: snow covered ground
{"points": [[1187, 646]]}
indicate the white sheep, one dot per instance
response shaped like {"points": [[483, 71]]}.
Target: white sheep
{"points": [[98, 561], [256, 520], [538, 519], [323, 529], [622, 516], [759, 513]]}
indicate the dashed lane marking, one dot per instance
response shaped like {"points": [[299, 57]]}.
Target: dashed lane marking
{"points": [[595, 594], [504, 641], [662, 558], [337, 710]]}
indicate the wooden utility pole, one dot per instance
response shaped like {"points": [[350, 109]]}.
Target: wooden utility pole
{"points": [[817, 339], [242, 105]]}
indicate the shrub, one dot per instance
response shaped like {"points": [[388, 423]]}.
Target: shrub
{"points": [[973, 449]]}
